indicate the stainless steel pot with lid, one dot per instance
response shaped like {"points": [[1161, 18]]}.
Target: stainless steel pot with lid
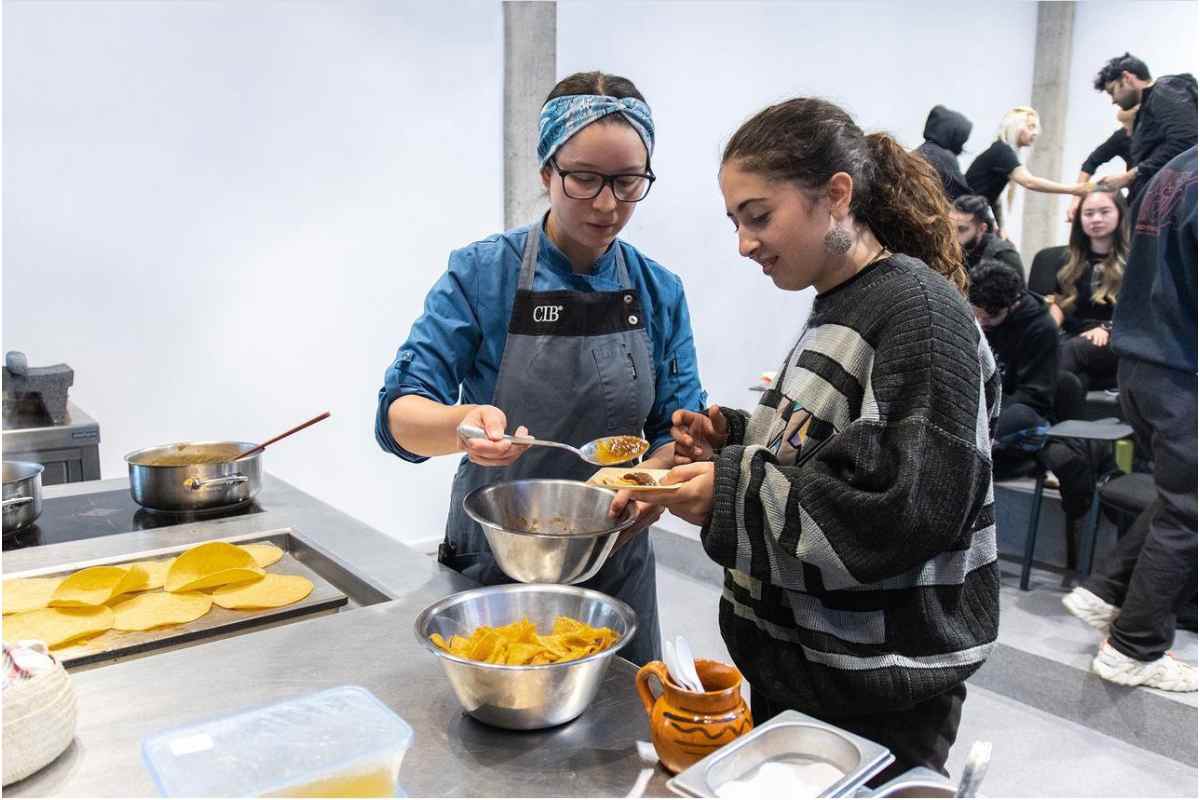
{"points": [[22, 494], [194, 476]]}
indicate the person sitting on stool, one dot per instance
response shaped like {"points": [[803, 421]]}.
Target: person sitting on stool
{"points": [[1024, 340]]}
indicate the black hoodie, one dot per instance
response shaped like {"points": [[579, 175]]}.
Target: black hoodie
{"points": [[946, 132], [1026, 350], [992, 246], [1164, 127]]}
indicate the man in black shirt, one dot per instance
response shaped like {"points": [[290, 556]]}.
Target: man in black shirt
{"points": [[973, 224], [946, 132], [1024, 340], [1165, 124]]}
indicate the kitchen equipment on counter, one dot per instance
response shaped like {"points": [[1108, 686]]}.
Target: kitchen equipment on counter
{"points": [[285, 434], [22, 503], [42, 425], [686, 725], [49, 384], [340, 742], [606, 451], [90, 515], [163, 478], [524, 697], [548, 531], [813, 759]]}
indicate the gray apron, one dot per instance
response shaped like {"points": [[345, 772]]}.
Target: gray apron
{"points": [[576, 366]]}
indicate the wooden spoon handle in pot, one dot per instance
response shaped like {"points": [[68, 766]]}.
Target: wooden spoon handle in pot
{"points": [[286, 434]]}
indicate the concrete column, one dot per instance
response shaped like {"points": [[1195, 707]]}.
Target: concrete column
{"points": [[530, 71], [1040, 224]]}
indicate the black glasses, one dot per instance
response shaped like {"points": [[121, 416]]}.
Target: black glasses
{"points": [[587, 185]]}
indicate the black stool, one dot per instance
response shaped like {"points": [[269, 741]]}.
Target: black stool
{"points": [[1100, 430]]}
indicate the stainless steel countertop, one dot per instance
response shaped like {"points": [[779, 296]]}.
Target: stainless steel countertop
{"points": [[372, 646]]}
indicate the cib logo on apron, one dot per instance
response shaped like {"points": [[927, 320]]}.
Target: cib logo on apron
{"points": [[546, 313]]}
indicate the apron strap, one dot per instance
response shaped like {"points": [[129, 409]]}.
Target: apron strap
{"points": [[529, 257], [529, 260]]}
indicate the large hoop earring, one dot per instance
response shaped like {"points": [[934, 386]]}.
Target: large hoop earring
{"points": [[837, 241]]}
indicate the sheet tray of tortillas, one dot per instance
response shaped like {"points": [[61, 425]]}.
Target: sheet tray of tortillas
{"points": [[216, 622]]}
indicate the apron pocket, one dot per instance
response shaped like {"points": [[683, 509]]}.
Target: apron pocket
{"points": [[618, 379]]}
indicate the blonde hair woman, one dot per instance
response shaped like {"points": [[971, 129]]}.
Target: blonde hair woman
{"points": [[994, 168]]}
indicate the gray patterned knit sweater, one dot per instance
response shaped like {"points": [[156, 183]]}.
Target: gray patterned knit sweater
{"points": [[864, 580]]}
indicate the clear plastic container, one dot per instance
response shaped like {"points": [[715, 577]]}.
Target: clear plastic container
{"points": [[340, 742]]}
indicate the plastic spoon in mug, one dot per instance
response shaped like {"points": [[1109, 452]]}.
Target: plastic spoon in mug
{"points": [[672, 663], [687, 663], [675, 668]]}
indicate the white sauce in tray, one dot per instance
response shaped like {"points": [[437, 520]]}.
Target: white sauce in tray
{"points": [[795, 778]]}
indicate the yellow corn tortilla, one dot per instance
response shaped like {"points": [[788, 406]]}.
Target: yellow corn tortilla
{"points": [[272, 591], [211, 564], [519, 643], [95, 586], [141, 612], [265, 554], [57, 626], [156, 574], [28, 594], [237, 575]]}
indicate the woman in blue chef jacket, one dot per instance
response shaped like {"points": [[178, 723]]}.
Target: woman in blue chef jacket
{"points": [[559, 328]]}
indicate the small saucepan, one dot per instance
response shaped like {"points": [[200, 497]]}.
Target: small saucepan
{"points": [[22, 494], [194, 476]]}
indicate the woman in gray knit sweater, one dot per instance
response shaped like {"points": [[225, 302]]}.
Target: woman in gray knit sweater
{"points": [[852, 509]]}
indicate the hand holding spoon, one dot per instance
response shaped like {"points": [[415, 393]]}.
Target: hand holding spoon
{"points": [[606, 451]]}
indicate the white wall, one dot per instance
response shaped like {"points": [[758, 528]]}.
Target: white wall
{"points": [[225, 217], [706, 67], [1163, 34]]}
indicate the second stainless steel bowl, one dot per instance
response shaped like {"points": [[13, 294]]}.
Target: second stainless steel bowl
{"points": [[548, 531], [525, 697]]}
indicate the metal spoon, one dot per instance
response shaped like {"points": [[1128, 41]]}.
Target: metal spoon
{"points": [[607, 451]]}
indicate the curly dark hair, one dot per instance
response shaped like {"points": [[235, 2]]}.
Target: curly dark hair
{"points": [[995, 285], [1112, 69], [896, 194]]}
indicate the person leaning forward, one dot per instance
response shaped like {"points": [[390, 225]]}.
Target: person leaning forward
{"points": [[559, 327]]}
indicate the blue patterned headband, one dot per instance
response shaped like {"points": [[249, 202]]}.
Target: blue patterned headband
{"points": [[563, 117]]}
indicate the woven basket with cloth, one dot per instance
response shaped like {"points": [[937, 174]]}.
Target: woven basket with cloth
{"points": [[39, 709]]}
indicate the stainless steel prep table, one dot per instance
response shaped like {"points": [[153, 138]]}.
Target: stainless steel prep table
{"points": [[370, 646]]}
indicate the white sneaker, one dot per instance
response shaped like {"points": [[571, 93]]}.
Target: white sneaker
{"points": [[1166, 673], [1090, 608]]}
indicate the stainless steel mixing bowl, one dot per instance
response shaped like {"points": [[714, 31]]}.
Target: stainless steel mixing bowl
{"points": [[525, 698], [548, 531]]}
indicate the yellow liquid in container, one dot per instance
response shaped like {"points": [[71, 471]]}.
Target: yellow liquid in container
{"points": [[375, 783]]}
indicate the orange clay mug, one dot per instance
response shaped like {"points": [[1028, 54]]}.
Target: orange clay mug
{"points": [[686, 726]]}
